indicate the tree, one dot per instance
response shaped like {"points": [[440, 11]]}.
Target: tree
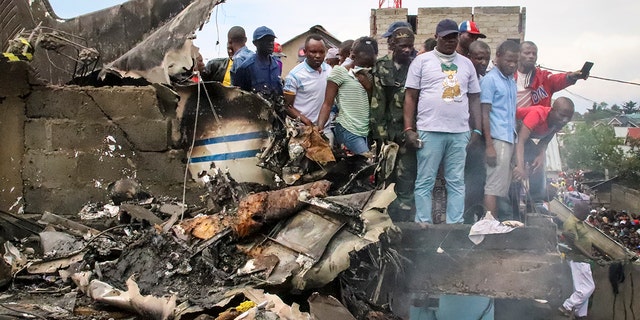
{"points": [[600, 114], [592, 148], [597, 107], [629, 107], [630, 165], [616, 108]]}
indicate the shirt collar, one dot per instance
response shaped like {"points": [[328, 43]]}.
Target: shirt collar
{"points": [[324, 66]]}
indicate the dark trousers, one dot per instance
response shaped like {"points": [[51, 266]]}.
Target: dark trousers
{"points": [[475, 175]]}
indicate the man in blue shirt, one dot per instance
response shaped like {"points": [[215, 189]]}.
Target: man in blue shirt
{"points": [[498, 100], [260, 72], [236, 43]]}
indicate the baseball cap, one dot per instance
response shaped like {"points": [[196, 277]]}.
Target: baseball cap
{"points": [[446, 27], [471, 27], [332, 53], [277, 50], [394, 26], [262, 32]]}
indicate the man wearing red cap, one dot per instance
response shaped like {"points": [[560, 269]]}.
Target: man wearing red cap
{"points": [[278, 54], [469, 32]]}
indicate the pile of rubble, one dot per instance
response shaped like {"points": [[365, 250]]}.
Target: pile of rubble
{"points": [[243, 253]]}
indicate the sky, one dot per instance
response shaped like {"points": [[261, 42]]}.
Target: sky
{"points": [[567, 33]]}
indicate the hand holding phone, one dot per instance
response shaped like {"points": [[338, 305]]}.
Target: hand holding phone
{"points": [[584, 72]]}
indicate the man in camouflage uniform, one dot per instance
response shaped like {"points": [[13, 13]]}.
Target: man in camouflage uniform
{"points": [[387, 122]]}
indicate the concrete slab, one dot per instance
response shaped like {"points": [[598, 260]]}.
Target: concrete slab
{"points": [[522, 264]]}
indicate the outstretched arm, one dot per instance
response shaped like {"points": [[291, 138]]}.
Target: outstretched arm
{"points": [[329, 97]]}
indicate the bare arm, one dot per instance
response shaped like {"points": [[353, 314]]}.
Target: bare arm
{"points": [[519, 171], [289, 99], [366, 81], [410, 106], [491, 155], [409, 114], [475, 111], [329, 97], [475, 116]]}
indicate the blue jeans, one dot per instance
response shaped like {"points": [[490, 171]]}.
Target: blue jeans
{"points": [[437, 147], [353, 142], [537, 179]]}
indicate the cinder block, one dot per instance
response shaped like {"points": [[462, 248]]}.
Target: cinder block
{"points": [[62, 201], [14, 79], [50, 169], [445, 11], [119, 102], [74, 135], [172, 163], [497, 10], [106, 167], [63, 103], [145, 134], [37, 135], [392, 11]]}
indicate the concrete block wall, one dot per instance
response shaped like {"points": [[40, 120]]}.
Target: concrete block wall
{"points": [[623, 198], [14, 86], [428, 19], [63, 145], [498, 23], [77, 140], [380, 21]]}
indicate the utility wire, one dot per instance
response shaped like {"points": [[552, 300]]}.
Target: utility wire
{"points": [[579, 96], [601, 78]]}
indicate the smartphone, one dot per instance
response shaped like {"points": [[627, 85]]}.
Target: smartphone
{"points": [[585, 69]]}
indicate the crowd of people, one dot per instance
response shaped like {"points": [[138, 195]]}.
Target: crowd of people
{"points": [[483, 121], [622, 226], [449, 106]]}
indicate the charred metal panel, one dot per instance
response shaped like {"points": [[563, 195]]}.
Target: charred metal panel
{"points": [[112, 31]]}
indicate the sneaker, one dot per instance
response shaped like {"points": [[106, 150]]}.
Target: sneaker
{"points": [[564, 311]]}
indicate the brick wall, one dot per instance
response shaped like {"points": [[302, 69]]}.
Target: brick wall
{"points": [[65, 144], [498, 23]]}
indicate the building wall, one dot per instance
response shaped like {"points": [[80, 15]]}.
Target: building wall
{"points": [[63, 145], [14, 86], [291, 50], [623, 198], [498, 23]]}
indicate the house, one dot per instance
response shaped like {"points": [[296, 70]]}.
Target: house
{"points": [[293, 48], [619, 121], [632, 134]]}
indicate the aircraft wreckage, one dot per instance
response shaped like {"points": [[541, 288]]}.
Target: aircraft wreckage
{"points": [[285, 227]]}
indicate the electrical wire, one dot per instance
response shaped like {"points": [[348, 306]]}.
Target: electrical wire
{"points": [[193, 142], [579, 96], [595, 77]]}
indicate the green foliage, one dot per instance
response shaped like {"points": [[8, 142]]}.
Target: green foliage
{"points": [[592, 116], [630, 165], [594, 148], [629, 107]]}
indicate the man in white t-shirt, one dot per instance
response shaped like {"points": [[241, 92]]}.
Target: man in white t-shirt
{"points": [[444, 89], [306, 83]]}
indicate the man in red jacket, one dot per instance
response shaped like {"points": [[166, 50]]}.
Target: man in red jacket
{"points": [[536, 86]]}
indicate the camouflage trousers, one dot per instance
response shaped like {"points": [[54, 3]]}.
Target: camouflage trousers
{"points": [[403, 207]]}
